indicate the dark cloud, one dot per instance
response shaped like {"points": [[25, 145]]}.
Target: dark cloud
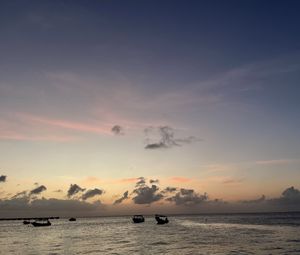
{"points": [[91, 193], [3, 178], [117, 130], [146, 195], [141, 182], [154, 181], [20, 194], [165, 138], [121, 199], [37, 190], [169, 190], [291, 194], [188, 140], [159, 145], [288, 201], [259, 200], [58, 191], [26, 207], [187, 197], [74, 189]]}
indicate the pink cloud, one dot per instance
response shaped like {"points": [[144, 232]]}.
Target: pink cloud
{"points": [[180, 179], [128, 180], [65, 124], [22, 137]]}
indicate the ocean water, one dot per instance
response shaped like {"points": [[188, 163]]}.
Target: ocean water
{"points": [[197, 234]]}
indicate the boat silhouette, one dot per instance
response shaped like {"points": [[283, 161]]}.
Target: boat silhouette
{"points": [[72, 219], [41, 223], [138, 219], [161, 219]]}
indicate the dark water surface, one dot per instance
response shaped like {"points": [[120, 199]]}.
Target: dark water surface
{"points": [[197, 234]]}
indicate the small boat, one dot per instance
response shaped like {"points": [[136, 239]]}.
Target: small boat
{"points": [[41, 223], [138, 219], [161, 219], [72, 219], [26, 222]]}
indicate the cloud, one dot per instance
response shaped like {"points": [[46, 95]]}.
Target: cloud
{"points": [[274, 162], [25, 207], [232, 181], [180, 179], [169, 190], [163, 137], [58, 191], [187, 197], [74, 189], [3, 178], [48, 138], [155, 146], [188, 140], [259, 200], [288, 201], [128, 180], [66, 124], [91, 193], [165, 140], [37, 190], [20, 194], [154, 181], [291, 194], [121, 199], [141, 182], [117, 130], [181, 200], [146, 194]]}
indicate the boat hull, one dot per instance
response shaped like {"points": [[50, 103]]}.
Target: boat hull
{"points": [[37, 224], [138, 220], [160, 220]]}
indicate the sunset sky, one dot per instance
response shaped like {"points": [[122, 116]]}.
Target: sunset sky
{"points": [[173, 106]]}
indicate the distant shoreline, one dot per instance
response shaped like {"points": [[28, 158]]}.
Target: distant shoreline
{"points": [[151, 215]]}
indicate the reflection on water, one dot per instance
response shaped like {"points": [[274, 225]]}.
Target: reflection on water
{"points": [[218, 234]]}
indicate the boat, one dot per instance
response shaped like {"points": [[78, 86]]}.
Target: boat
{"points": [[138, 219], [41, 223], [72, 219], [26, 222], [161, 219]]}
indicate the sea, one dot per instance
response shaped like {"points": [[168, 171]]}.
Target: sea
{"points": [[271, 233]]}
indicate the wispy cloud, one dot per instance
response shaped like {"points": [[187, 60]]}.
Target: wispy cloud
{"points": [[19, 129], [49, 138], [38, 190], [232, 181], [274, 162], [121, 199], [163, 137], [180, 179], [128, 180], [66, 124]]}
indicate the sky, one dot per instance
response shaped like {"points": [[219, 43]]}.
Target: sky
{"points": [[123, 107]]}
